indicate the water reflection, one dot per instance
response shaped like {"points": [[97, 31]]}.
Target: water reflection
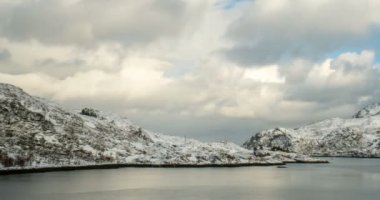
{"points": [[342, 179]]}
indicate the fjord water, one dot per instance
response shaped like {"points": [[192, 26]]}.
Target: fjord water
{"points": [[343, 178]]}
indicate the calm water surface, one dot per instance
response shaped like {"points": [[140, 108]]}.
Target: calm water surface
{"points": [[348, 179]]}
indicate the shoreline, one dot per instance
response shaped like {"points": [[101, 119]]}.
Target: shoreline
{"points": [[362, 157], [116, 166]]}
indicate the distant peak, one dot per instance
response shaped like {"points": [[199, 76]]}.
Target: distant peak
{"points": [[370, 110]]}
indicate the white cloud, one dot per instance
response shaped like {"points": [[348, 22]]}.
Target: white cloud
{"points": [[266, 74], [349, 70], [137, 78], [346, 80]]}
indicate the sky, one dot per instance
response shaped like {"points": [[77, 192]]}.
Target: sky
{"points": [[208, 69]]}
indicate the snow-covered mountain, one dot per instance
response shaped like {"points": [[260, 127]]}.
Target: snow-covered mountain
{"points": [[35, 133], [368, 111], [356, 137]]}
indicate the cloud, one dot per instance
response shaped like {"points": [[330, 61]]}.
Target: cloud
{"points": [[274, 31], [4, 55], [89, 22], [344, 80], [130, 82], [217, 88]]}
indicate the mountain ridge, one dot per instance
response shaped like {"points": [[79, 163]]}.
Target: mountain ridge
{"points": [[35, 133]]}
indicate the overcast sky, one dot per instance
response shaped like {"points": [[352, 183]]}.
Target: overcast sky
{"points": [[209, 69]]}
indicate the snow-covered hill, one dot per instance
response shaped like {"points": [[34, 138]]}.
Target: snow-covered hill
{"points": [[368, 111], [356, 137], [35, 133]]}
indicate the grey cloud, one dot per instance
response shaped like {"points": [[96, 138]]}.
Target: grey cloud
{"points": [[59, 69], [5, 55], [54, 62], [269, 33], [330, 97], [11, 68], [89, 22], [296, 71], [49, 66]]}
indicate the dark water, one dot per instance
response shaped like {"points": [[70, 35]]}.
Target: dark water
{"points": [[348, 179]]}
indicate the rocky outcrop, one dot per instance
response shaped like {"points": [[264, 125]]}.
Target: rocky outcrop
{"points": [[356, 137]]}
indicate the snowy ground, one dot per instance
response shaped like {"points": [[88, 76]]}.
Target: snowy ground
{"points": [[355, 137], [35, 133]]}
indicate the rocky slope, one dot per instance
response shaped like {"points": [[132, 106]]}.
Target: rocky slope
{"points": [[35, 133], [356, 137]]}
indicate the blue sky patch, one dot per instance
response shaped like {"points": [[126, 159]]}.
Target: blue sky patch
{"points": [[232, 4]]}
